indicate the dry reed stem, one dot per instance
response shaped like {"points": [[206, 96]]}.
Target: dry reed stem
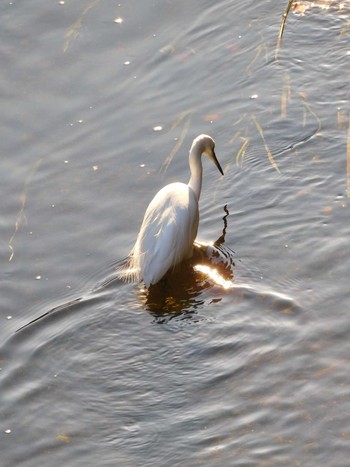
{"points": [[348, 160], [23, 200], [260, 48], [284, 19], [241, 153], [73, 31], [309, 109], [286, 95], [267, 149], [180, 141]]}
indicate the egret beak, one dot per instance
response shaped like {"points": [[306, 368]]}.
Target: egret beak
{"points": [[216, 162]]}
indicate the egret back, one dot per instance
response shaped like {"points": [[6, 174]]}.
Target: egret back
{"points": [[168, 231]]}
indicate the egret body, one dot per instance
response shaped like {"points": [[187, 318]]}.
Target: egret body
{"points": [[170, 224]]}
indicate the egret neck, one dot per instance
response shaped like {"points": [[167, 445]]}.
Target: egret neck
{"points": [[195, 161]]}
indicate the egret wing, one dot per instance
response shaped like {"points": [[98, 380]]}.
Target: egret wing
{"points": [[167, 233]]}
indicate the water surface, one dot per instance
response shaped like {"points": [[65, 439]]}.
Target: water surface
{"points": [[255, 374]]}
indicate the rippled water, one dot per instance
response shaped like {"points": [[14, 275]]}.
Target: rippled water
{"points": [[198, 374]]}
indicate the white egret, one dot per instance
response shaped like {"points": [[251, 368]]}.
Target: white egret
{"points": [[170, 224]]}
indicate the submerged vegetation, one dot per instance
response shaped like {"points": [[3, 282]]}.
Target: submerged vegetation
{"points": [[183, 121], [248, 125], [244, 134], [301, 8], [22, 201]]}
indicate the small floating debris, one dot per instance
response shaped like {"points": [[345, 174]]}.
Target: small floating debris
{"points": [[299, 8], [9, 317], [211, 118], [168, 49], [38, 278], [118, 20], [127, 62], [254, 96], [7, 431], [63, 438], [157, 128], [327, 210]]}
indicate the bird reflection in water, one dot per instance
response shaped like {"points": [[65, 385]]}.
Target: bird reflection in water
{"points": [[179, 293]]}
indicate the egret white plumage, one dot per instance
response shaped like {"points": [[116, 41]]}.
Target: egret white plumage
{"points": [[170, 223]]}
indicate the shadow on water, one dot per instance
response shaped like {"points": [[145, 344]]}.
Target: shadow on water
{"points": [[178, 293], [182, 292], [216, 272]]}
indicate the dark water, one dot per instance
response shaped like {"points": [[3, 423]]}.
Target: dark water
{"points": [[254, 374]]}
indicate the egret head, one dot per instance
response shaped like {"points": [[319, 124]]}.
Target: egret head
{"points": [[206, 145]]}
